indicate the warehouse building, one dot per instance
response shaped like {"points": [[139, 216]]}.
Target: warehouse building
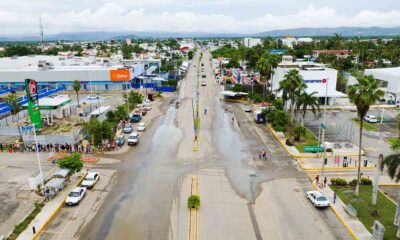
{"points": [[390, 82], [50, 71]]}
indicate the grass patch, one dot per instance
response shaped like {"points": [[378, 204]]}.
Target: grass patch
{"points": [[384, 211], [308, 140], [18, 229], [367, 126], [392, 140]]}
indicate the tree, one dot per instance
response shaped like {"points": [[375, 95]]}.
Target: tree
{"points": [[77, 87], [363, 94], [289, 87], [337, 40], [12, 100], [392, 162], [190, 55], [194, 201], [309, 100], [72, 162], [238, 88], [280, 121], [298, 131], [126, 51]]}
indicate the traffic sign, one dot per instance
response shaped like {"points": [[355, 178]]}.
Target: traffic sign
{"points": [[323, 126], [312, 149]]}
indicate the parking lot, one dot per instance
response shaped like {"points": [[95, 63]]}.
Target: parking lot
{"points": [[71, 219]]}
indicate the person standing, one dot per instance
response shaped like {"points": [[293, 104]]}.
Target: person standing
{"points": [[317, 179], [325, 180]]}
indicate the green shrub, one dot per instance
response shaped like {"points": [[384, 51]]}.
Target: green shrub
{"points": [[365, 181], [329, 150], [288, 142], [194, 201], [338, 182], [353, 182]]}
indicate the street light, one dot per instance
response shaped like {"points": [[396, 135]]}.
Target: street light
{"points": [[30, 128], [323, 125]]}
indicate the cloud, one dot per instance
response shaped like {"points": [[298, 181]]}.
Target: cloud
{"points": [[174, 16]]}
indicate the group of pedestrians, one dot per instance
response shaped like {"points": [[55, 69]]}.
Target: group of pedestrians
{"points": [[66, 148], [321, 184], [262, 155]]}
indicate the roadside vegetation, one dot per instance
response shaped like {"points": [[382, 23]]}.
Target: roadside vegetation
{"points": [[384, 211], [19, 228], [366, 125], [194, 202]]}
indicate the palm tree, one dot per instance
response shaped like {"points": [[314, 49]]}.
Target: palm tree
{"points": [[392, 162], [289, 86], [263, 66], [12, 100], [309, 100], [337, 40], [363, 94], [77, 87]]}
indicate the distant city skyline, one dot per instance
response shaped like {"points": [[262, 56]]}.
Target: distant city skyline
{"points": [[213, 16]]}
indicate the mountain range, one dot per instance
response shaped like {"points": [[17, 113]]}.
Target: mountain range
{"points": [[297, 32]]}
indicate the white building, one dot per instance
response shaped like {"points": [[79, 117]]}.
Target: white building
{"points": [[289, 41], [251, 42], [318, 78], [390, 78], [304, 40]]}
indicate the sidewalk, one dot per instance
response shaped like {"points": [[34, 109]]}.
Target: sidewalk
{"points": [[352, 224], [316, 163], [49, 211]]}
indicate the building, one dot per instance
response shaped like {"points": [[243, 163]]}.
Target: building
{"points": [[54, 106], [50, 71], [304, 40], [338, 53], [289, 41], [251, 42], [317, 77], [390, 78]]}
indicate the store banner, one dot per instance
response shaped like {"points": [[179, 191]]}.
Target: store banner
{"points": [[120, 75], [33, 102]]}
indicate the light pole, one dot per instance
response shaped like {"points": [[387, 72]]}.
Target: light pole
{"points": [[29, 128], [324, 126]]}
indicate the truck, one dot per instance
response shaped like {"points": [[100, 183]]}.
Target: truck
{"points": [[136, 118], [259, 117]]}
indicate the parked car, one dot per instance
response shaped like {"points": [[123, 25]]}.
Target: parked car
{"points": [[133, 139], [93, 97], [136, 118], [128, 128], [203, 83], [318, 199], [75, 196], [120, 140], [248, 109], [90, 179], [141, 127], [370, 119]]}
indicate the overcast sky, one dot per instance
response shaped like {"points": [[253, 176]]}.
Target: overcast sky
{"points": [[20, 17]]}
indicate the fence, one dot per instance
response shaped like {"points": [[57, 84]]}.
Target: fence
{"points": [[71, 138]]}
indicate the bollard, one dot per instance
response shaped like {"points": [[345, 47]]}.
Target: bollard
{"points": [[34, 230], [326, 161]]}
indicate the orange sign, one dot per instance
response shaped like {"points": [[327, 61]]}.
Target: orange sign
{"points": [[120, 75]]}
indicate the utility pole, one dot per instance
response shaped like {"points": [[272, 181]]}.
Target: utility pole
{"points": [[323, 128], [41, 33]]}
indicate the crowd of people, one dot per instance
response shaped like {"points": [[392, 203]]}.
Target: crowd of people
{"points": [[67, 148]]}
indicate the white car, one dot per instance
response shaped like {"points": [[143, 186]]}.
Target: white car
{"points": [[370, 119], [318, 199], [93, 97], [133, 139], [75, 196], [141, 127], [203, 83], [248, 109], [128, 128], [90, 179]]}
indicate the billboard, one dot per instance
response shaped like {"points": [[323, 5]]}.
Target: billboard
{"points": [[33, 102], [120, 75]]}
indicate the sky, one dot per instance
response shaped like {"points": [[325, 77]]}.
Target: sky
{"points": [[21, 17]]}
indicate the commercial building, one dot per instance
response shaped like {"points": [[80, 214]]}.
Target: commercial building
{"points": [[337, 53], [390, 84], [50, 71], [289, 41], [317, 77], [251, 42]]}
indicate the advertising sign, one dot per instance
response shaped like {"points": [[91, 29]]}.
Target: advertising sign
{"points": [[120, 75], [33, 102]]}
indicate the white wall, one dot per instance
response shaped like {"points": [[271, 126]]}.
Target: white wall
{"points": [[313, 80]]}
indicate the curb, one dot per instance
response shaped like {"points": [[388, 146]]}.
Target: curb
{"points": [[54, 214], [390, 184], [336, 168], [387, 197], [352, 234]]}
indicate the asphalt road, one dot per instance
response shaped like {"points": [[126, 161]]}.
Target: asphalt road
{"points": [[150, 176]]}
